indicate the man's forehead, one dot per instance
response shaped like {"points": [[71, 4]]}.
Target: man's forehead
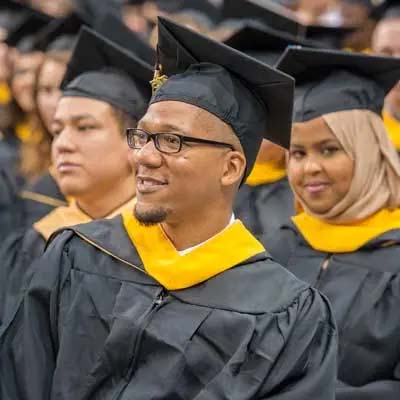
{"points": [[173, 114], [80, 107]]}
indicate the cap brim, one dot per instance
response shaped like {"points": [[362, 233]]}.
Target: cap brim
{"points": [[93, 52], [303, 62]]}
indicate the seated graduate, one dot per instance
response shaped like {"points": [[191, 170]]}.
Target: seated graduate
{"points": [[102, 96], [178, 299], [385, 40], [345, 174], [39, 198]]}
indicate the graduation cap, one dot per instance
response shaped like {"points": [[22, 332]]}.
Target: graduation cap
{"points": [[102, 70], [254, 99], [92, 11], [23, 35], [113, 28], [267, 12], [264, 43], [59, 34], [330, 80], [330, 36], [10, 14]]}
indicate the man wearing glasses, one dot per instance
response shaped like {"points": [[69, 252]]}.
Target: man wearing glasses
{"points": [[179, 300]]}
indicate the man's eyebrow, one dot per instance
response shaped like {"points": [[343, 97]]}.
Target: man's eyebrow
{"points": [[164, 127]]}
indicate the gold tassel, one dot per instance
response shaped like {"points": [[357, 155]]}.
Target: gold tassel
{"points": [[159, 78]]}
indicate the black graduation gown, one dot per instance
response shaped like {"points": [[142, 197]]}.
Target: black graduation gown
{"points": [[17, 267], [9, 215], [364, 290], [264, 207], [97, 328], [40, 198]]}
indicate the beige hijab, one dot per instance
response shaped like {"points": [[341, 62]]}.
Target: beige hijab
{"points": [[376, 181]]}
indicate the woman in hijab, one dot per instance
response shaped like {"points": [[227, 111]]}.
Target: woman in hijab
{"points": [[345, 239]]}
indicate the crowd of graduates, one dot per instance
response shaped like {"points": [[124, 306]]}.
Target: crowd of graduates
{"points": [[199, 199]]}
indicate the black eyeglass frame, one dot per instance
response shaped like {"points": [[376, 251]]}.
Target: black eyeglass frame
{"points": [[182, 140]]}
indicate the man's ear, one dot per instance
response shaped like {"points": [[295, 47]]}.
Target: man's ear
{"points": [[234, 167]]}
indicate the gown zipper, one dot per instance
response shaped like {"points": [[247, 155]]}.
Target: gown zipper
{"points": [[322, 270], [158, 302]]}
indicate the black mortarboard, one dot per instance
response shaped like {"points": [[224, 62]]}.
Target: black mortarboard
{"points": [[254, 99], [268, 12], [264, 43], [11, 14], [113, 28], [92, 11], [331, 36], [102, 70], [329, 81], [59, 34], [23, 35]]}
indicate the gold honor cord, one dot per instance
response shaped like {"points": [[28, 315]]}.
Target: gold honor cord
{"points": [[159, 78]]}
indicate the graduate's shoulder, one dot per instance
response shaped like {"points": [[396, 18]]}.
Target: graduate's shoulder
{"points": [[257, 286], [99, 247]]}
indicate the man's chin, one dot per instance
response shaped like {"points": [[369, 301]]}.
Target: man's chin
{"points": [[148, 216]]}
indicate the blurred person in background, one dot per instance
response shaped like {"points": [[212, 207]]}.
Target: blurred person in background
{"points": [[386, 41]]}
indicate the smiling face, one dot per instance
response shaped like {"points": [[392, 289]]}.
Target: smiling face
{"points": [[89, 150], [48, 91], [186, 185], [386, 41], [23, 79], [319, 170]]}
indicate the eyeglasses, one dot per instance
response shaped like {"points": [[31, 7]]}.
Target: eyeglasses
{"points": [[168, 143]]}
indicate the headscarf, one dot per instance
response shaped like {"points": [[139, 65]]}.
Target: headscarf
{"points": [[376, 178]]}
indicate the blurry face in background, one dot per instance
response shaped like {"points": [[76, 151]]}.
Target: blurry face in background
{"points": [[4, 61], [23, 79], [56, 8], [89, 151], [353, 14], [48, 92], [386, 41], [134, 19], [309, 11]]}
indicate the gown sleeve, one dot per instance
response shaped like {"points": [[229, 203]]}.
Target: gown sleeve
{"points": [[306, 367], [388, 390], [39, 327]]}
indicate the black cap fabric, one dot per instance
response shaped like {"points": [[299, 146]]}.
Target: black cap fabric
{"points": [[92, 11], [254, 99], [11, 14], [331, 36], [59, 34], [23, 35], [328, 81], [269, 13], [264, 43], [102, 70], [113, 28]]}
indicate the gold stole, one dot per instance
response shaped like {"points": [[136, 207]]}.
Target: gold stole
{"points": [[163, 262], [331, 238]]}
